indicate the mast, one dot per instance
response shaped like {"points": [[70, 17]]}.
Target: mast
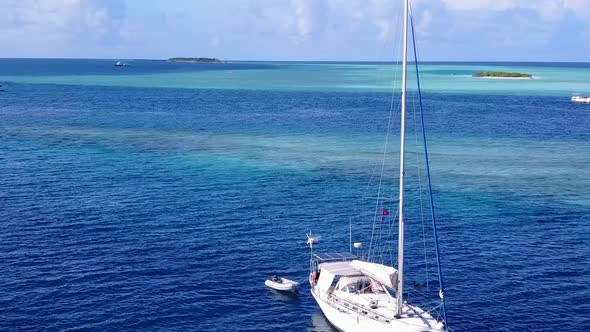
{"points": [[400, 257]]}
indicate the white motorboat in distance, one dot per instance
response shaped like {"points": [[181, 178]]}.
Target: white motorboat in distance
{"points": [[576, 98], [282, 284]]}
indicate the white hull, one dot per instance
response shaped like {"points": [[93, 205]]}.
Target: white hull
{"points": [[286, 285], [580, 99], [347, 320]]}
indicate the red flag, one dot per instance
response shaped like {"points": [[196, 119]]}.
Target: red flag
{"points": [[385, 213]]}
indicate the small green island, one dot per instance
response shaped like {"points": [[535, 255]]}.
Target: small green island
{"points": [[206, 60], [500, 74]]}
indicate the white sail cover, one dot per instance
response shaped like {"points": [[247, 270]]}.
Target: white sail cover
{"points": [[386, 275]]}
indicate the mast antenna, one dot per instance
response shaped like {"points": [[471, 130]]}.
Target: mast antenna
{"points": [[400, 259]]}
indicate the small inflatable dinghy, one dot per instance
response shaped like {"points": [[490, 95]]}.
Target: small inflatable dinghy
{"points": [[282, 284]]}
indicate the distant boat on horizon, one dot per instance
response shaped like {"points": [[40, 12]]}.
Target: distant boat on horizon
{"points": [[578, 98], [120, 64]]}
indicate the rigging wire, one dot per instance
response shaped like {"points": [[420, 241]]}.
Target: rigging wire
{"points": [[440, 277], [420, 186], [420, 190], [379, 201]]}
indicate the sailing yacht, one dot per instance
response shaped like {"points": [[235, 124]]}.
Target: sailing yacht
{"points": [[358, 295]]}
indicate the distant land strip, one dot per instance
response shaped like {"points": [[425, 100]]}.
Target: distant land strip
{"points": [[208, 60], [501, 74]]}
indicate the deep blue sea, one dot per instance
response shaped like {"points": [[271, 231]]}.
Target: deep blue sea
{"points": [[139, 199]]}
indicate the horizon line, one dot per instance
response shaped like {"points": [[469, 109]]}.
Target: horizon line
{"points": [[320, 61], [303, 61]]}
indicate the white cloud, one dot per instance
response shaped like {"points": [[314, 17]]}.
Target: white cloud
{"points": [[285, 29], [517, 29], [386, 16], [425, 21], [549, 10], [30, 24], [303, 14], [311, 17], [580, 6], [483, 4], [215, 41]]}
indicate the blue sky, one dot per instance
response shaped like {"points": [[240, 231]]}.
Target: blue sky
{"points": [[495, 30]]}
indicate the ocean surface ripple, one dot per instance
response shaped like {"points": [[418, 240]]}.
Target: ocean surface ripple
{"points": [[150, 209]]}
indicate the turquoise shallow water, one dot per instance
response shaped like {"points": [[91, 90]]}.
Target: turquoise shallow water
{"points": [[550, 79], [141, 206]]}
